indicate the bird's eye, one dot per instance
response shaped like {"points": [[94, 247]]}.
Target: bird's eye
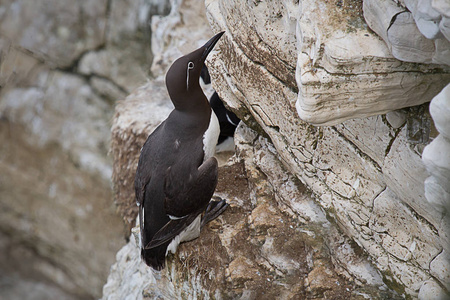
{"points": [[190, 65]]}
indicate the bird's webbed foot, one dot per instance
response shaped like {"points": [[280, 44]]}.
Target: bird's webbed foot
{"points": [[214, 209]]}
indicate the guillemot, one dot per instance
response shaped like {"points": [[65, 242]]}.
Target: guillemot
{"points": [[177, 173], [228, 121]]}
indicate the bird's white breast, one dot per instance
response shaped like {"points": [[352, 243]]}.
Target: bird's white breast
{"points": [[211, 136]]}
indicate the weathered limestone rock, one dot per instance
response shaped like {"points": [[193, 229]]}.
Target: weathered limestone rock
{"points": [[426, 17], [124, 66], [51, 207], [396, 22], [15, 259], [132, 17], [55, 172], [174, 35], [396, 118], [430, 17], [54, 184], [362, 170], [106, 89], [57, 32], [338, 59], [126, 57], [435, 155], [63, 110], [437, 187], [431, 290], [128, 266], [55, 127], [440, 268]]}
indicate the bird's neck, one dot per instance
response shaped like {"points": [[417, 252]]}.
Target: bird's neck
{"points": [[195, 103], [196, 119]]}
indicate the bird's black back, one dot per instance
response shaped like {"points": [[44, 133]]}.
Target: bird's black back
{"points": [[152, 169]]}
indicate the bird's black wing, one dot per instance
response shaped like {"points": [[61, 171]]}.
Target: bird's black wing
{"points": [[144, 175], [140, 183], [139, 188], [144, 169], [169, 231], [191, 196], [186, 200]]}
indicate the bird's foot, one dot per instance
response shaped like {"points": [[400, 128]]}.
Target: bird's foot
{"points": [[214, 209]]}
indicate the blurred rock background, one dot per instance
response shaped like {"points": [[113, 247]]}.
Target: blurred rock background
{"points": [[63, 66]]}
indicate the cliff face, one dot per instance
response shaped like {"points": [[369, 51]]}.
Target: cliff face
{"points": [[62, 66], [366, 172], [339, 205]]}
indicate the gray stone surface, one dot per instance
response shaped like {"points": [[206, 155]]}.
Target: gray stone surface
{"points": [[66, 111], [57, 32], [437, 162], [56, 108], [361, 170], [61, 213], [342, 69], [425, 20], [431, 290]]}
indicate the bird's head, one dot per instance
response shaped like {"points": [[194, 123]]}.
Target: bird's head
{"points": [[182, 79]]}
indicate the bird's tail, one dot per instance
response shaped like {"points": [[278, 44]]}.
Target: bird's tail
{"points": [[155, 257]]}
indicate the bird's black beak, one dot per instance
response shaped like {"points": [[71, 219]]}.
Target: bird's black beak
{"points": [[210, 44]]}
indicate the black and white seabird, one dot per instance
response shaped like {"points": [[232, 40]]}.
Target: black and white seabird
{"points": [[228, 121], [177, 173]]}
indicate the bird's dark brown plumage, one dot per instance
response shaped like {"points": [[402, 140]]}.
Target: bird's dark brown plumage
{"points": [[174, 180]]}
